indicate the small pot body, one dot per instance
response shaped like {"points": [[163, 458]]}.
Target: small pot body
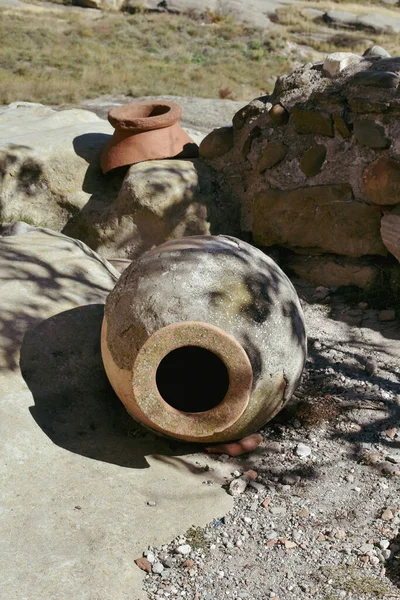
{"points": [[203, 339], [146, 131]]}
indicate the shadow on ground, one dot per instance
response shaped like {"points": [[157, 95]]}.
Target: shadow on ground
{"points": [[74, 402]]}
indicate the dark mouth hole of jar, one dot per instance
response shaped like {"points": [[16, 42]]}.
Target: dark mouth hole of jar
{"points": [[192, 379], [155, 111]]}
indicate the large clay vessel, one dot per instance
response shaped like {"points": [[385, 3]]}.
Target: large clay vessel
{"points": [[203, 339], [146, 131]]}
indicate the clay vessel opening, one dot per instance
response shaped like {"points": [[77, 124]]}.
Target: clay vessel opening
{"points": [[192, 379]]}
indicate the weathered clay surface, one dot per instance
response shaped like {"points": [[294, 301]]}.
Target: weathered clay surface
{"points": [[326, 127], [159, 200], [234, 289]]}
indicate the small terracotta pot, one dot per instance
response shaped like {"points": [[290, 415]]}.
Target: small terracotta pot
{"points": [[146, 130]]}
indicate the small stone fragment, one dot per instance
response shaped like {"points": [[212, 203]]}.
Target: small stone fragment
{"points": [[321, 538], [216, 143], [289, 544], [265, 503], [304, 513], [312, 160], [251, 474], [279, 115], [387, 515], [246, 444], [277, 510], [310, 121], [143, 564], [183, 549], [370, 367], [369, 133], [302, 450], [377, 51], [238, 486], [341, 125], [381, 181], [151, 503], [273, 154], [338, 61], [188, 563], [387, 315], [340, 534], [381, 79], [158, 568]]}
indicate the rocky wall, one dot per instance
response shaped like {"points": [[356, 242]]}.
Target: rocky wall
{"points": [[316, 167]]}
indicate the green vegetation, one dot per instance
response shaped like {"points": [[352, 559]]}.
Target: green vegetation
{"points": [[62, 58], [195, 537]]}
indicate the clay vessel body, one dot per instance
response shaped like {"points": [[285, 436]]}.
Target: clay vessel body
{"points": [[203, 339], [146, 130]]}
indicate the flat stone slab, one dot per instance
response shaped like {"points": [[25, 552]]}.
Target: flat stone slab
{"points": [[76, 471]]}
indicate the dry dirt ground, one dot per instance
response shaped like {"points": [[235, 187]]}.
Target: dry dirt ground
{"points": [[321, 519]]}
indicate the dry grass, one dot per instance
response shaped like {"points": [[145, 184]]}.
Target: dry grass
{"points": [[301, 26], [64, 58]]}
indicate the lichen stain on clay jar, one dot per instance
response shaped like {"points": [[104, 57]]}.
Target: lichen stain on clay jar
{"points": [[203, 339], [146, 130]]}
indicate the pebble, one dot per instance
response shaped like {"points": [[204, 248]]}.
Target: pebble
{"points": [[158, 568], [151, 503], [150, 556], [184, 549], [387, 515], [371, 367], [302, 450], [143, 564], [238, 486]]}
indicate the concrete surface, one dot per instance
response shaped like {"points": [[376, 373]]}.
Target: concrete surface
{"points": [[77, 472]]}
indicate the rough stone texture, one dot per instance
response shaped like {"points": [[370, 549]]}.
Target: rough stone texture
{"points": [[272, 155], [216, 143], [390, 231], [337, 61], [312, 160], [225, 283], [339, 225], [372, 22], [369, 133], [381, 181], [49, 164], [330, 270], [353, 115], [76, 472], [159, 200]]}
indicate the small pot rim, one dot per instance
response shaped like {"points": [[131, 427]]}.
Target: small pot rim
{"points": [[168, 419], [130, 116]]}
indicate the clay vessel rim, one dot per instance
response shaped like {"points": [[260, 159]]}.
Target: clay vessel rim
{"points": [[137, 116], [168, 419]]}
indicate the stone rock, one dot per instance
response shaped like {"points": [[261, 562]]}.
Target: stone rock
{"points": [[273, 154], [339, 224], [369, 133], [216, 143], [381, 181], [387, 315], [376, 22], [159, 200], [390, 231], [311, 121], [238, 486], [64, 434], [49, 164], [279, 115], [380, 79], [341, 125], [303, 450], [143, 564], [312, 160], [377, 51], [253, 109], [338, 61]]}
